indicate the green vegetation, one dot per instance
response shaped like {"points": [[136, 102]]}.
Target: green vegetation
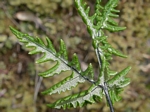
{"points": [[109, 83]]}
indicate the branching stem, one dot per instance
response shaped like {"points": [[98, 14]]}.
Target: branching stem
{"points": [[104, 87]]}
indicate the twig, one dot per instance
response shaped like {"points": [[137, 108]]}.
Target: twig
{"points": [[38, 81]]}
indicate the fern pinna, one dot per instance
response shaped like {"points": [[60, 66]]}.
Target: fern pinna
{"points": [[109, 83]]}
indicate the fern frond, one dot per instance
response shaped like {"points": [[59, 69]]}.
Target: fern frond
{"points": [[105, 17], [119, 79], [84, 10], [62, 64], [108, 82], [117, 83], [50, 54], [86, 97]]}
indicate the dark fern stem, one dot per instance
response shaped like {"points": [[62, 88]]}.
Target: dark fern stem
{"points": [[105, 88]]}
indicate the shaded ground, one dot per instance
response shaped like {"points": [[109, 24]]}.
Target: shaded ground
{"points": [[56, 20]]}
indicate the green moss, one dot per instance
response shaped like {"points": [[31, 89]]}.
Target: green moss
{"points": [[43, 6]]}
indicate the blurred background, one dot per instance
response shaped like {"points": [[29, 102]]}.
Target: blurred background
{"points": [[59, 19]]}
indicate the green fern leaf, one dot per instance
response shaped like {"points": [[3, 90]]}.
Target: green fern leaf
{"points": [[106, 15], [119, 79], [117, 83], [109, 82], [65, 84], [84, 12], [85, 97], [75, 63], [61, 65]]}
